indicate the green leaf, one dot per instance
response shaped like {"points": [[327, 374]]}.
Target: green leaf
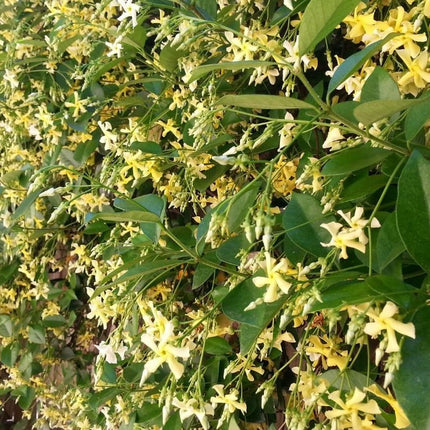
{"points": [[200, 71], [6, 328], [26, 396], [26, 204], [413, 209], [208, 9], [371, 112], [9, 354], [412, 380], [363, 187], [101, 397], [379, 86], [149, 202], [202, 274], [355, 61], [36, 334], [319, 19], [229, 250], [174, 422], [346, 110], [133, 372], [217, 346], [108, 373], [241, 296], [149, 415], [130, 216], [346, 379], [54, 321], [84, 150], [240, 205], [354, 292], [302, 220], [352, 159], [262, 101], [389, 244], [417, 117], [169, 57], [147, 147]]}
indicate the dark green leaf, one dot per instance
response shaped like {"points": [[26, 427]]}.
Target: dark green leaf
{"points": [[54, 321], [229, 250], [262, 101], [239, 206], [207, 8], [36, 334], [169, 57], [352, 159], [371, 112], [26, 204], [319, 19], [149, 202], [379, 86], [109, 373], [416, 118], [355, 61], [346, 110], [202, 274], [9, 354], [241, 296], [412, 381], [84, 150], [302, 221], [26, 396], [147, 147], [6, 328], [129, 216], [174, 422], [101, 397], [133, 372], [149, 415], [217, 346], [389, 244], [363, 187], [413, 209]]}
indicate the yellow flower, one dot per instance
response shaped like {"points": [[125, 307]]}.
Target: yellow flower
{"points": [[328, 350], [417, 76], [384, 321], [350, 409], [402, 420], [274, 280], [164, 352], [229, 400]]}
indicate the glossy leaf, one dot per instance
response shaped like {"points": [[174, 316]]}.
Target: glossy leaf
{"points": [[129, 216], [379, 86], [217, 346], [9, 354], [6, 328], [352, 159], [412, 381], [262, 101], [363, 187], [101, 397], [302, 221], [355, 61], [36, 334], [389, 244], [416, 118], [319, 19], [413, 209], [371, 112]]}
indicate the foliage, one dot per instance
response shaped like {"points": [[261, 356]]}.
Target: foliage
{"points": [[214, 214]]}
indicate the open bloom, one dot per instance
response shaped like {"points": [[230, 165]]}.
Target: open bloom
{"points": [[274, 280], [192, 407], [229, 400], [164, 352], [384, 321], [349, 410]]}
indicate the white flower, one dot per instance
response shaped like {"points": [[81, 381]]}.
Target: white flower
{"points": [[130, 11], [165, 352], [109, 353], [115, 47]]}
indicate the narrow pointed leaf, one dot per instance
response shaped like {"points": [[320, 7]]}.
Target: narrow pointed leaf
{"points": [[261, 101], [130, 216]]}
